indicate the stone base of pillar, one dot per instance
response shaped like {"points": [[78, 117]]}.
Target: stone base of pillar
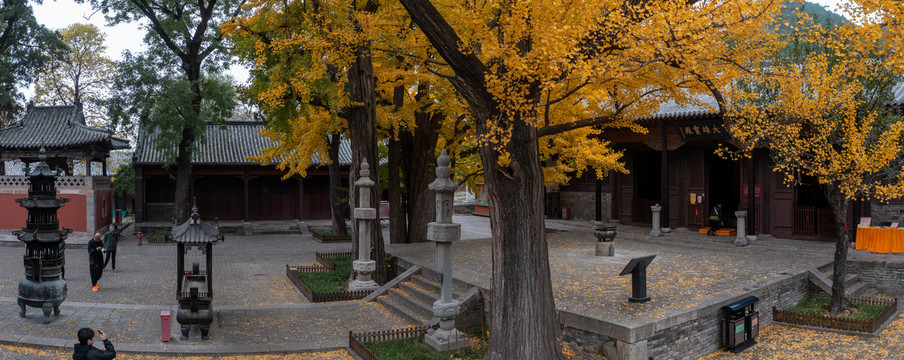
{"points": [[358, 285], [605, 248], [740, 241], [246, 229], [442, 340], [363, 271], [655, 233]]}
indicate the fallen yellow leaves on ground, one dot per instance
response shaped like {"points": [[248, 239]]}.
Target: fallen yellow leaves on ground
{"points": [[782, 342], [20, 352]]}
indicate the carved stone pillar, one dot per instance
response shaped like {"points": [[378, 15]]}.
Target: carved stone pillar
{"points": [[657, 231], [443, 231], [741, 238], [364, 267]]}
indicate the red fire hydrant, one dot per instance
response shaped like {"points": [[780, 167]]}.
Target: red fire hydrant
{"points": [[164, 326], [139, 238]]}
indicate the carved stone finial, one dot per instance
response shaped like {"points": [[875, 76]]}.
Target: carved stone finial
{"points": [[442, 166], [43, 155], [194, 210], [365, 168]]}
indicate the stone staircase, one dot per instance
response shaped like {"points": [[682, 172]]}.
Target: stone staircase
{"points": [[413, 298], [822, 278]]}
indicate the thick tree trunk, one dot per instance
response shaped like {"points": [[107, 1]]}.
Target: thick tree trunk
{"points": [[398, 210], [523, 323], [182, 205], [523, 318], [337, 209], [398, 223], [839, 206], [419, 171], [362, 127]]}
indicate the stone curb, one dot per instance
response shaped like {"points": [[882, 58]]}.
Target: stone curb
{"points": [[174, 349]]}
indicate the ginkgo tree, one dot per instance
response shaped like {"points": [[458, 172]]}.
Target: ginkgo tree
{"points": [[84, 74], [545, 78], [823, 107]]}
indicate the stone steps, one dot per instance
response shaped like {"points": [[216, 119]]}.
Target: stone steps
{"points": [[852, 284], [413, 299]]}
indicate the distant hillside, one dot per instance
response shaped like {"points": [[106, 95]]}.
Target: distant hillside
{"points": [[817, 13]]}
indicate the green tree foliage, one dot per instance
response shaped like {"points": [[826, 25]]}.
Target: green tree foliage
{"points": [[124, 180], [83, 74], [184, 42], [25, 46]]}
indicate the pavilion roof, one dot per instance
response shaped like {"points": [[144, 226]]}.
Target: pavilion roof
{"points": [[56, 127], [231, 143]]}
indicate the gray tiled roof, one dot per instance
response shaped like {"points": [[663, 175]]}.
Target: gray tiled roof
{"points": [[671, 110], [55, 127], [229, 144], [898, 93]]}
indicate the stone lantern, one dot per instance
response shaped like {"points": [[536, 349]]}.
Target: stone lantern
{"points": [[43, 286], [443, 231]]}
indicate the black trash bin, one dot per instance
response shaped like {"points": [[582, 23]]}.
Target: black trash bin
{"points": [[740, 324]]}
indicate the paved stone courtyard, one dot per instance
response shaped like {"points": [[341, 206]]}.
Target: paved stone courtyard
{"points": [[258, 311], [688, 269]]}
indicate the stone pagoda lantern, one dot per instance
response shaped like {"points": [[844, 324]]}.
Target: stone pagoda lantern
{"points": [[194, 287], [43, 286]]}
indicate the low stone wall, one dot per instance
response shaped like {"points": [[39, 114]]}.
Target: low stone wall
{"points": [[883, 276], [581, 204], [697, 333], [703, 335]]}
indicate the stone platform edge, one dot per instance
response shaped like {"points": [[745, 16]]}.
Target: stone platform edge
{"points": [[174, 349]]}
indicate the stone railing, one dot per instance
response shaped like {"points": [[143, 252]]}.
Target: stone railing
{"points": [[62, 182]]}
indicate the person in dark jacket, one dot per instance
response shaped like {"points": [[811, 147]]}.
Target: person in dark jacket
{"points": [[63, 259], [110, 240], [96, 260], [85, 349], [715, 219]]}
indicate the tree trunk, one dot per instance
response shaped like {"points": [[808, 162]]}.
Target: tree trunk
{"points": [[362, 127], [398, 223], [419, 168], [398, 211], [182, 202], [337, 210], [523, 321], [839, 206]]}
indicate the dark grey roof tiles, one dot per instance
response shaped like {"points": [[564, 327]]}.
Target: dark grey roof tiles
{"points": [[671, 110], [229, 144], [898, 94], [55, 127]]}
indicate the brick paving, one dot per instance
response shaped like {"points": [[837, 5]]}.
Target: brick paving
{"points": [[257, 309]]}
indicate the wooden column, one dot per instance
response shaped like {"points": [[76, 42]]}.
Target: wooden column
{"points": [[301, 198], [598, 203], [103, 164], [87, 166], [664, 191], [751, 195], [139, 193], [247, 181]]}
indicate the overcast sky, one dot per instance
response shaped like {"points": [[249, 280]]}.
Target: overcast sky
{"points": [[62, 13]]}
